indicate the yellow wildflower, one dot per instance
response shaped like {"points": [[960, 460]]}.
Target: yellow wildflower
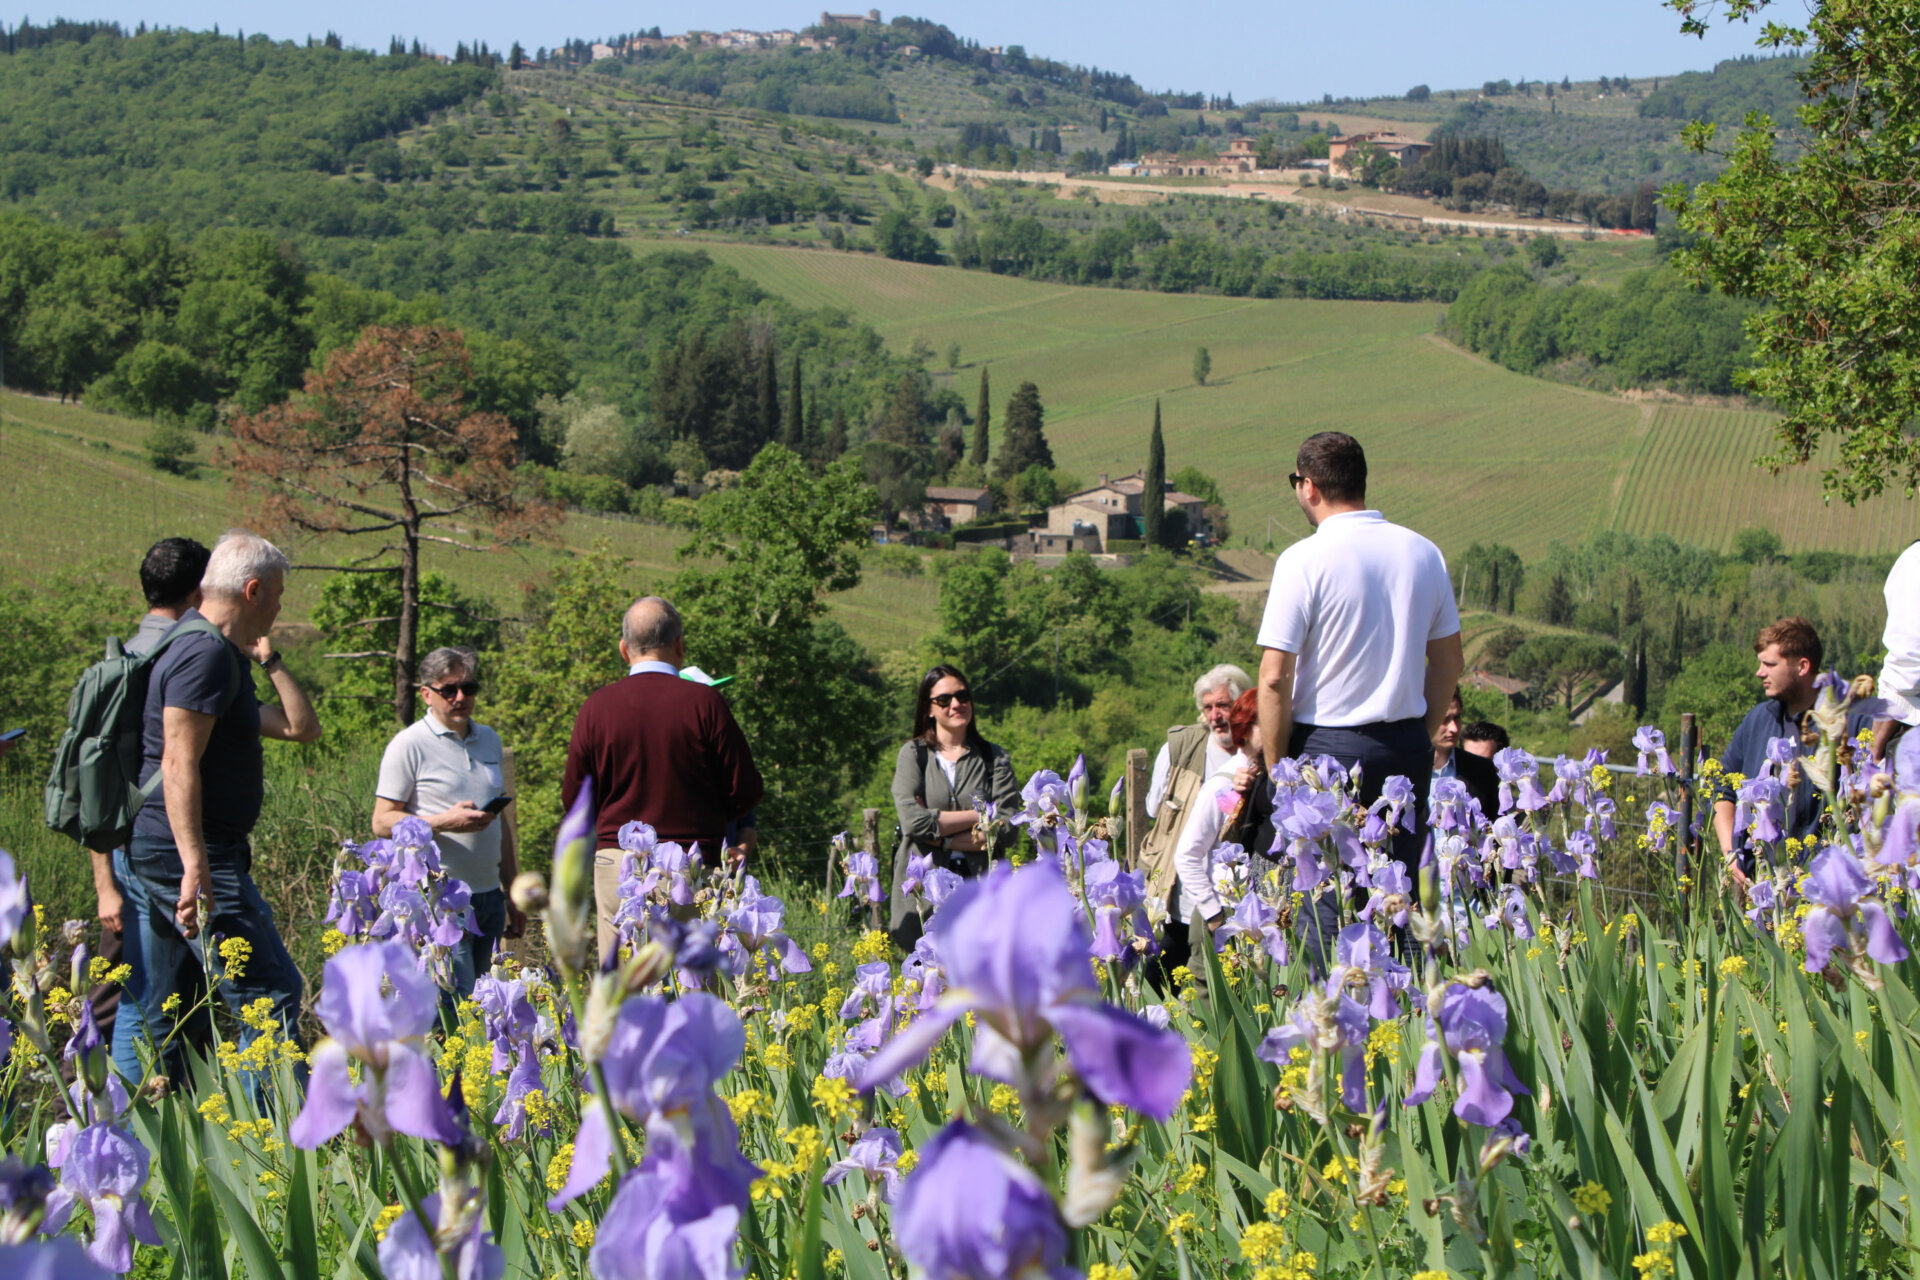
{"points": [[1592, 1199], [1733, 966], [1665, 1232], [385, 1219], [873, 945], [1189, 1178], [1279, 1203], [835, 1097], [234, 954], [583, 1234]]}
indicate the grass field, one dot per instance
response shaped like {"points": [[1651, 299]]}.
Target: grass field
{"points": [[1460, 448], [76, 490]]}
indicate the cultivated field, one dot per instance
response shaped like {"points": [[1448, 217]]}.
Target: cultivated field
{"points": [[1461, 448], [76, 490]]}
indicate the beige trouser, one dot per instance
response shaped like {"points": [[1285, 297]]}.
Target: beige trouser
{"points": [[606, 894]]}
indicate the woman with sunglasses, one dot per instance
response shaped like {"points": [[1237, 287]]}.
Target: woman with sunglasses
{"points": [[945, 772]]}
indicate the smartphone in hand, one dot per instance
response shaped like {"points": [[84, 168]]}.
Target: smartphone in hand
{"points": [[496, 804]]}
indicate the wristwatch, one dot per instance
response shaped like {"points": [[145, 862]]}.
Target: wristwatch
{"points": [[271, 659]]}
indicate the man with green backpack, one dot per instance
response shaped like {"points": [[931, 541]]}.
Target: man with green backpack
{"points": [[163, 753]]}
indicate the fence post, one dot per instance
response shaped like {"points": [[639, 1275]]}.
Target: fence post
{"points": [[870, 832], [1683, 842], [1136, 801]]}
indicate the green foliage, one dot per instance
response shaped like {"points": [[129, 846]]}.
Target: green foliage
{"points": [[1202, 365], [805, 693], [1825, 240], [1153, 509], [359, 613], [1565, 665], [1023, 435], [1656, 330], [564, 648], [53, 626], [1719, 687], [1731, 91], [900, 237]]}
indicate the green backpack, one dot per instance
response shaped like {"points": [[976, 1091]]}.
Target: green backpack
{"points": [[94, 791]]}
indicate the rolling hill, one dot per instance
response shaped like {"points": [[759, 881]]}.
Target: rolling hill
{"points": [[1462, 449]]}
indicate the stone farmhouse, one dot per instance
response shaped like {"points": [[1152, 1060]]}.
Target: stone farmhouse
{"points": [[1239, 157], [1111, 511], [1398, 145], [956, 506]]}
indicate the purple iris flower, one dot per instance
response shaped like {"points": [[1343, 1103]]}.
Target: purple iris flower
{"points": [[1387, 881], [637, 838], [1781, 752], [662, 1062], [1364, 949], [509, 1015], [913, 878], [24, 1189], [1510, 912], [1600, 811], [1253, 918], [409, 1253], [52, 1260], [1649, 741], [1049, 802], [1762, 899], [14, 902], [105, 1169], [1119, 901], [923, 968], [1519, 780], [940, 886], [754, 924], [1473, 1022], [1329, 1021], [873, 982], [1845, 917], [863, 877], [660, 1225], [1396, 798], [1453, 806], [876, 1153], [1015, 947], [1580, 851], [1077, 784], [1761, 806], [353, 907], [524, 1079], [1303, 814], [973, 1212], [680, 866], [376, 1005], [1900, 842]]}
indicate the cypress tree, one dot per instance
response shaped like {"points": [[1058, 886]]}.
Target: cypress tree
{"points": [[902, 425], [982, 418], [793, 434], [769, 406], [836, 442], [1153, 502], [1023, 443]]}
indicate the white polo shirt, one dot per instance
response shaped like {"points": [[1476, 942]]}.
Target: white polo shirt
{"points": [[1358, 602], [428, 768], [1899, 679]]}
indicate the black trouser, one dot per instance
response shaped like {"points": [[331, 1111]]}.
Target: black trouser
{"points": [[1398, 747]]}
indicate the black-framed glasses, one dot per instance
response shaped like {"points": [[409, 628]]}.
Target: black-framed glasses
{"points": [[447, 691], [1294, 478], [944, 700]]}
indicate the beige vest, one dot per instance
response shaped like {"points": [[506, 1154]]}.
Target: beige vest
{"points": [[1186, 772]]}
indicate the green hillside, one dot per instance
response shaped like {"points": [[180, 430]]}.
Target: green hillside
{"points": [[76, 491], [1462, 449]]}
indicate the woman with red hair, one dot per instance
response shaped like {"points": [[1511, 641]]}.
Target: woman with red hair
{"points": [[1236, 802]]}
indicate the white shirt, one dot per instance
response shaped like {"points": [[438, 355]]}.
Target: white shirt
{"points": [[1899, 679], [1358, 602], [1193, 853], [647, 665], [428, 768], [1217, 756]]}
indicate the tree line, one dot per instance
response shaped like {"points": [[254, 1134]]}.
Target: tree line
{"points": [[1655, 330]]}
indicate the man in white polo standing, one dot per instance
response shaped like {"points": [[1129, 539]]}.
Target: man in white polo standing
{"points": [[451, 771], [1360, 641]]}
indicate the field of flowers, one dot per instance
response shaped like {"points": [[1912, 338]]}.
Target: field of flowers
{"points": [[1508, 1070]]}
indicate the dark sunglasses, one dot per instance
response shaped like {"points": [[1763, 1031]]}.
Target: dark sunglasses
{"points": [[944, 700], [468, 687], [1294, 478]]}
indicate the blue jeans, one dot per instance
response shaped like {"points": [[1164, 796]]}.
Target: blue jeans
{"points": [[473, 958], [1381, 750], [177, 967], [129, 1026]]}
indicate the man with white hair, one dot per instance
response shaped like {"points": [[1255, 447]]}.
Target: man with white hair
{"points": [[190, 849], [1191, 754]]}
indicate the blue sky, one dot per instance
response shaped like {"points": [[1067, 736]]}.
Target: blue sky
{"points": [[1287, 50]]}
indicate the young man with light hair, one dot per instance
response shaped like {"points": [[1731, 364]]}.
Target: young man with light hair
{"points": [[446, 769], [190, 849], [1191, 754]]}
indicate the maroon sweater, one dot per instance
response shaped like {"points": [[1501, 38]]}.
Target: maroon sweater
{"points": [[663, 751]]}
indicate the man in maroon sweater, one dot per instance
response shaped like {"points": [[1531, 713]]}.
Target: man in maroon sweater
{"points": [[660, 750]]}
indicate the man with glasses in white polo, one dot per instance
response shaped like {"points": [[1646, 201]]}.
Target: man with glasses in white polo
{"points": [[453, 774]]}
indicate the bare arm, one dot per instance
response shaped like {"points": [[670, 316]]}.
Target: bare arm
{"points": [[184, 738], [1276, 700], [294, 719], [1723, 826], [105, 893], [462, 817], [1445, 662]]}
